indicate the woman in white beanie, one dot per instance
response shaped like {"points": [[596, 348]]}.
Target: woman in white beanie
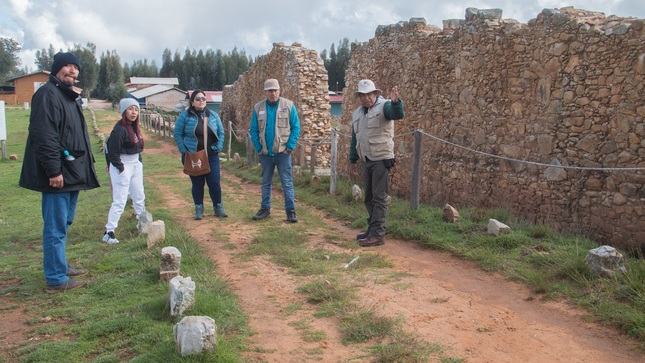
{"points": [[126, 170]]}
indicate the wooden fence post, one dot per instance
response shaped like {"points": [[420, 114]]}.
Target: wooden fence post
{"points": [[332, 164], [416, 171], [230, 135], [312, 167], [249, 150], [300, 154]]}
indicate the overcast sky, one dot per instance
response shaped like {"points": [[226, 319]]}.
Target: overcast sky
{"points": [[139, 29]]}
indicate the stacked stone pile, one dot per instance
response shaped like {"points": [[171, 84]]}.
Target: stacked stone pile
{"points": [[303, 79]]}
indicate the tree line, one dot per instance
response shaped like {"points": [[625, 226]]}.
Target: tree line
{"points": [[105, 78]]}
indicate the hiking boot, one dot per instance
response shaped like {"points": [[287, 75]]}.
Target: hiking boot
{"points": [[219, 211], [291, 216], [261, 214], [363, 235], [72, 272], [371, 241], [199, 211], [110, 238], [67, 285]]}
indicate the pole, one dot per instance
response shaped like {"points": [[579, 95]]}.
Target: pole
{"points": [[333, 163], [416, 171], [314, 151], [230, 135], [249, 150], [3, 130]]}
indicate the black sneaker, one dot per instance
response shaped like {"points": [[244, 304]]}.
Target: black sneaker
{"points": [[291, 216], [261, 214]]}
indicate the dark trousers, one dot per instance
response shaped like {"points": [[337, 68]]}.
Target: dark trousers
{"points": [[374, 175], [211, 179]]}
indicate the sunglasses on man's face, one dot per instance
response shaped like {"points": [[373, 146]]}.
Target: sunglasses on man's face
{"points": [[200, 98]]}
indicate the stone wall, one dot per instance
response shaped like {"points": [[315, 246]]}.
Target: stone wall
{"points": [[565, 89], [303, 79]]}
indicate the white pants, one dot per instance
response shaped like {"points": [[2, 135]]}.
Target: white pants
{"points": [[130, 181]]}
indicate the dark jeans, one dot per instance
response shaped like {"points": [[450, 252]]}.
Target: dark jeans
{"points": [[374, 175], [212, 179]]}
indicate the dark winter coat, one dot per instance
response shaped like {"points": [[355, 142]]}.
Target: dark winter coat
{"points": [[57, 124], [119, 143]]}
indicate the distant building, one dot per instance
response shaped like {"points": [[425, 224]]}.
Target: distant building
{"points": [[159, 96], [24, 87], [336, 103], [139, 83]]}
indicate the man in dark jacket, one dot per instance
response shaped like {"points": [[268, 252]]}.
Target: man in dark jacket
{"points": [[373, 144], [58, 162]]}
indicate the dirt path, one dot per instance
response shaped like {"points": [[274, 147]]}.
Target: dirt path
{"points": [[478, 316]]}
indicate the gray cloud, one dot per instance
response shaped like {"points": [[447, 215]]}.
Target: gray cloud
{"points": [[143, 29]]}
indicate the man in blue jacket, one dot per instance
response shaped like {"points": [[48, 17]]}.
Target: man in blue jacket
{"points": [[274, 130], [58, 162]]}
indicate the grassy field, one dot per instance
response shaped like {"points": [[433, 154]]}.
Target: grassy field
{"points": [[122, 315]]}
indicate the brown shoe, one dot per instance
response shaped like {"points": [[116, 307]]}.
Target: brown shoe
{"points": [[67, 285], [362, 235], [73, 272], [371, 241]]}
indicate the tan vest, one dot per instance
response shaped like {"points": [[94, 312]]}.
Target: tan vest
{"points": [[282, 125], [374, 133]]}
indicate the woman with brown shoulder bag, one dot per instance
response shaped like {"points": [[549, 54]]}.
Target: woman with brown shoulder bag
{"points": [[199, 135]]}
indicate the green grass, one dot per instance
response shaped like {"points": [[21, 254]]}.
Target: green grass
{"points": [[406, 348], [122, 314]]}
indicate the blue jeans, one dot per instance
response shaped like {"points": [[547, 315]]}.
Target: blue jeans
{"points": [[269, 163], [212, 179], [58, 211]]}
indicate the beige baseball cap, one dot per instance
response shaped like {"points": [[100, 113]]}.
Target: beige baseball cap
{"points": [[271, 83], [366, 86]]}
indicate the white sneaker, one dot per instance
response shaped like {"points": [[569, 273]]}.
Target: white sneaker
{"points": [[109, 238]]}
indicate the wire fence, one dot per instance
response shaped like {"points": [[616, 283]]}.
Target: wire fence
{"points": [[318, 152]]}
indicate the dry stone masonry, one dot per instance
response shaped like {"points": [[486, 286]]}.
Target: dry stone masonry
{"points": [[566, 89], [303, 79]]}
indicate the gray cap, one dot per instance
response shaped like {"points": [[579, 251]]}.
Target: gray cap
{"points": [[126, 103], [271, 83]]}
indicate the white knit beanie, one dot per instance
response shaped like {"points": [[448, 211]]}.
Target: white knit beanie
{"points": [[125, 103]]}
